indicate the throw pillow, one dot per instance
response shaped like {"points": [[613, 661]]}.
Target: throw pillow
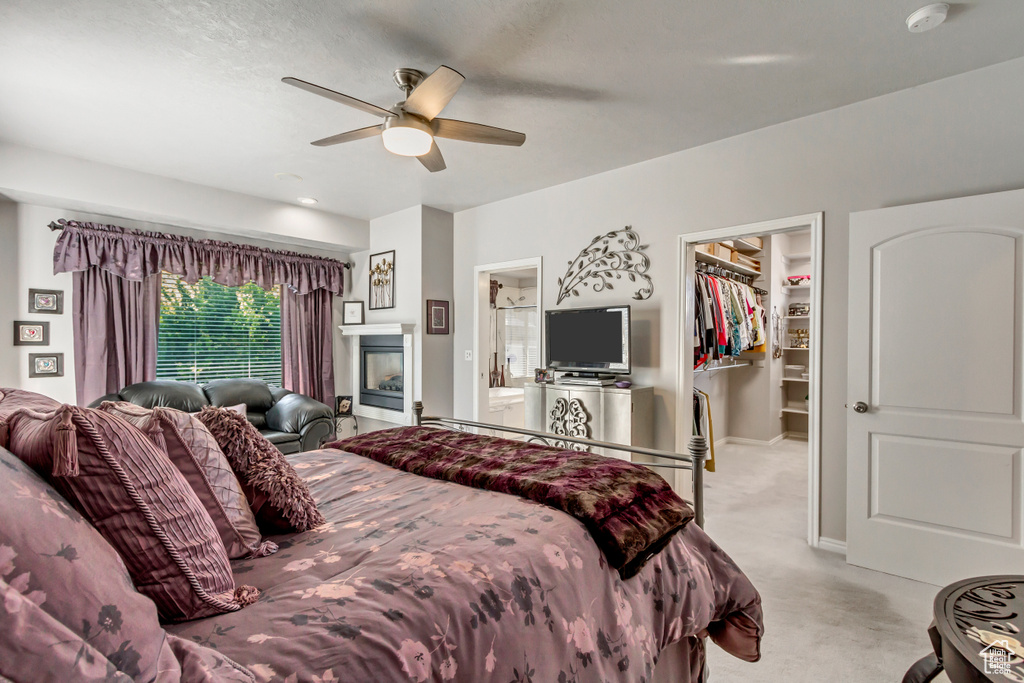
{"points": [[138, 501], [277, 495], [12, 399], [61, 566], [195, 453]]}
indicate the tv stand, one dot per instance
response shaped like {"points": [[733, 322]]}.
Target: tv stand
{"points": [[590, 379], [602, 413]]}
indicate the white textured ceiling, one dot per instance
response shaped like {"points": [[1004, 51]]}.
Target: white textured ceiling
{"points": [[191, 89]]}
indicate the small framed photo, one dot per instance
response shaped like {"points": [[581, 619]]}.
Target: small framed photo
{"points": [[352, 313], [437, 316], [46, 301], [543, 375], [342, 405], [28, 333], [382, 280], [46, 365]]}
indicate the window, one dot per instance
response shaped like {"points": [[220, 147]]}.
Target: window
{"points": [[211, 331], [522, 347]]}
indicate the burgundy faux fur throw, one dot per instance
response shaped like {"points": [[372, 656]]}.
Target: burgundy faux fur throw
{"points": [[629, 510], [279, 498]]}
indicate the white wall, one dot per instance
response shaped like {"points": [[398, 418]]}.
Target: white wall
{"points": [[421, 237], [959, 136]]}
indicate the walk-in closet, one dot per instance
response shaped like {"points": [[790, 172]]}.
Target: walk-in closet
{"points": [[752, 339]]}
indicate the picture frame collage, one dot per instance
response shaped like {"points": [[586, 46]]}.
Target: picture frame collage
{"points": [[37, 332]]}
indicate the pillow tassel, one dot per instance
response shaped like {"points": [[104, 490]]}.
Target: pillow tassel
{"points": [[263, 549], [65, 450], [246, 595], [155, 431]]}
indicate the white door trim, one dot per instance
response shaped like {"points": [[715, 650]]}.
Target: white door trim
{"points": [[482, 302], [684, 372]]}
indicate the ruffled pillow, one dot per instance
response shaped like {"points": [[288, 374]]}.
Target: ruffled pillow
{"points": [[277, 495]]}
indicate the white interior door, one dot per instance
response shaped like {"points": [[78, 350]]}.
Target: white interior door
{"points": [[934, 464]]}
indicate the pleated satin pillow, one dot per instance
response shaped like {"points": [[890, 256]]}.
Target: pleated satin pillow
{"points": [[111, 473], [195, 453], [279, 498]]}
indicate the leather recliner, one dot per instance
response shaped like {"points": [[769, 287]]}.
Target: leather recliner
{"points": [[292, 422]]}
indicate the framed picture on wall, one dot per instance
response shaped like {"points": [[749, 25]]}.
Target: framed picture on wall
{"points": [[46, 365], [27, 333], [437, 316], [382, 280], [352, 313], [46, 301]]}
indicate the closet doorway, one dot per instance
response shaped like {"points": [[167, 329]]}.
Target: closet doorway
{"points": [[507, 345], [750, 332]]}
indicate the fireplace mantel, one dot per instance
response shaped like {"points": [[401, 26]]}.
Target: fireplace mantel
{"points": [[405, 416], [386, 328]]}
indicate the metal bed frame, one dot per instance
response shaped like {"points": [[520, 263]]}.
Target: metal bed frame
{"points": [[693, 462]]}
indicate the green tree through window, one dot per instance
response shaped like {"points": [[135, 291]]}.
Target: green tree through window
{"points": [[210, 331]]}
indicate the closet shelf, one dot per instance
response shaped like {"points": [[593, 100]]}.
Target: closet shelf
{"points": [[795, 348], [745, 247], [786, 288], [728, 265], [727, 366], [795, 379], [797, 317], [788, 259], [795, 409]]}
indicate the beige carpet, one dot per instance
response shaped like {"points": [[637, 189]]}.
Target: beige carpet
{"points": [[824, 620]]}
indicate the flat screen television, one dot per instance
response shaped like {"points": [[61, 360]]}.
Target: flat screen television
{"points": [[588, 340]]}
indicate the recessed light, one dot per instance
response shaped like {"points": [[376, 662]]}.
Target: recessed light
{"points": [[755, 60], [927, 18], [306, 200], [288, 177]]}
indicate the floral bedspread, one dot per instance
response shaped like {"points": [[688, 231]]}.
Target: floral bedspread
{"points": [[414, 579]]}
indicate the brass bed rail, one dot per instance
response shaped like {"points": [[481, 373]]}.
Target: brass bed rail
{"points": [[693, 462]]}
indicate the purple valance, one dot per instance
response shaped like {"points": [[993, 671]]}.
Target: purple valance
{"points": [[136, 254]]}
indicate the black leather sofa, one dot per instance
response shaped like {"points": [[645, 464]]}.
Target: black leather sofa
{"points": [[292, 422]]}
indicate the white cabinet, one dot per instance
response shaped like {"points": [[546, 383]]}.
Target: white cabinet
{"points": [[623, 416]]}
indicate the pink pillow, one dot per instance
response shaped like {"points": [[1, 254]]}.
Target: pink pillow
{"points": [[279, 498], [12, 399], [195, 453], [138, 501]]}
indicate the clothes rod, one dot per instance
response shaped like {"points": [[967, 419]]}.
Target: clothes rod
{"points": [[737, 364]]}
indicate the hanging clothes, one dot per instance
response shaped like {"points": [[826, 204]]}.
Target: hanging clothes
{"points": [[728, 319], [702, 425]]}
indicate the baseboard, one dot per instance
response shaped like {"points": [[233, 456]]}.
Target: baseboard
{"points": [[799, 436], [832, 545], [740, 441]]}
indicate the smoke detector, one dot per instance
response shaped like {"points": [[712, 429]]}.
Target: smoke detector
{"points": [[927, 18]]}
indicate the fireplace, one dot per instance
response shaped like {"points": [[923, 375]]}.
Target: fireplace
{"points": [[381, 371]]}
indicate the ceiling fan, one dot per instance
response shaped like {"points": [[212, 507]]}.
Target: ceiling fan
{"points": [[410, 126]]}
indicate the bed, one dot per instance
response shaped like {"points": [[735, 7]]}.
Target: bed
{"points": [[414, 579]]}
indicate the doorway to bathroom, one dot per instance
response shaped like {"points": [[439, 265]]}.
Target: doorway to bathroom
{"points": [[508, 341]]}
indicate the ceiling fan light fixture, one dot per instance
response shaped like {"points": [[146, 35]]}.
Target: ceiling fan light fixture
{"points": [[407, 136]]}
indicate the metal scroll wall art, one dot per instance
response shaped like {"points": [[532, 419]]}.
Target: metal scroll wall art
{"points": [[569, 418], [609, 257]]}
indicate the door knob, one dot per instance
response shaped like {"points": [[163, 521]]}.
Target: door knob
{"points": [[860, 407]]}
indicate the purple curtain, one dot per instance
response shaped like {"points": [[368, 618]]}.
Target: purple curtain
{"points": [[136, 254], [115, 330], [307, 343]]}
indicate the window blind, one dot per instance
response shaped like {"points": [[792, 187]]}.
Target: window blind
{"points": [[210, 331], [522, 341]]}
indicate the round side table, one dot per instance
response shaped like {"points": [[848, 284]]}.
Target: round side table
{"points": [[340, 419]]}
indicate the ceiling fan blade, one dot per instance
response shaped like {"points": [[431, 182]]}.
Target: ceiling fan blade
{"points": [[434, 92], [433, 159], [476, 132], [357, 134], [338, 97]]}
